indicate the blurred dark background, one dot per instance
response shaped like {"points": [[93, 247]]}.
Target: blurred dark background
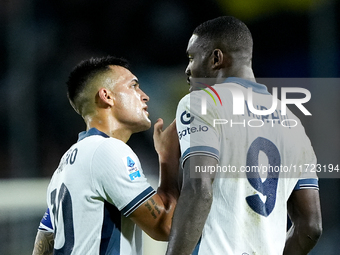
{"points": [[41, 41]]}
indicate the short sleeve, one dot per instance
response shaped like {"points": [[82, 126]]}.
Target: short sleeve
{"points": [[308, 183], [308, 178], [197, 135], [118, 177]]}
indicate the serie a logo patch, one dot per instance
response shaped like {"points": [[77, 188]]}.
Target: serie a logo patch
{"points": [[131, 168]]}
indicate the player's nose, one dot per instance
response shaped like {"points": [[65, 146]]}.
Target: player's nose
{"points": [[187, 71], [144, 97]]}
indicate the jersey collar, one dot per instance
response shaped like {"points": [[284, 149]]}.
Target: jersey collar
{"points": [[257, 87], [92, 131]]}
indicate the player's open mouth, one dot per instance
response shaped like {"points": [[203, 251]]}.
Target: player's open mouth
{"points": [[146, 110]]}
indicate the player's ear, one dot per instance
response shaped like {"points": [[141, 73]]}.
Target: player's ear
{"points": [[219, 59], [105, 98]]}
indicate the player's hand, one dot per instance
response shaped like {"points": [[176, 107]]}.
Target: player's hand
{"points": [[166, 142]]}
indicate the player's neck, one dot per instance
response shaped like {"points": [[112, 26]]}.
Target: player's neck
{"points": [[244, 72], [109, 127], [247, 74]]}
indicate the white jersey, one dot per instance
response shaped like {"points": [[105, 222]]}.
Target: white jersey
{"points": [[99, 182], [261, 160]]}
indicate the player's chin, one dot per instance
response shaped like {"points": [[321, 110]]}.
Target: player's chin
{"points": [[145, 124], [148, 124]]}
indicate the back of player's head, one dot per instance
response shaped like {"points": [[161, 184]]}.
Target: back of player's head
{"points": [[226, 31], [83, 74]]}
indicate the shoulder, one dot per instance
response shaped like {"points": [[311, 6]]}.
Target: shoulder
{"points": [[105, 151], [191, 102], [184, 101], [97, 146], [114, 152], [188, 98], [112, 145]]}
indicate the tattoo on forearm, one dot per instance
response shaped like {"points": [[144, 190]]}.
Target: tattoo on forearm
{"points": [[44, 244], [153, 208]]}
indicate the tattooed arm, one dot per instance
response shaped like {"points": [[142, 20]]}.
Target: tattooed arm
{"points": [[44, 242], [155, 215]]}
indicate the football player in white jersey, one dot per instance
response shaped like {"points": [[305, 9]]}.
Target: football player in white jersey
{"points": [[99, 200], [224, 207]]}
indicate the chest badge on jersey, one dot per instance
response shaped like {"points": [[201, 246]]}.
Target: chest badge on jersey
{"points": [[131, 168]]}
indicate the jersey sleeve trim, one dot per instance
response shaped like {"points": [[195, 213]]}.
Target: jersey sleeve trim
{"points": [[137, 201], [311, 183], [200, 150]]}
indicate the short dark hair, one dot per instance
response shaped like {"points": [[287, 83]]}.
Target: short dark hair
{"points": [[86, 70], [229, 31]]}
